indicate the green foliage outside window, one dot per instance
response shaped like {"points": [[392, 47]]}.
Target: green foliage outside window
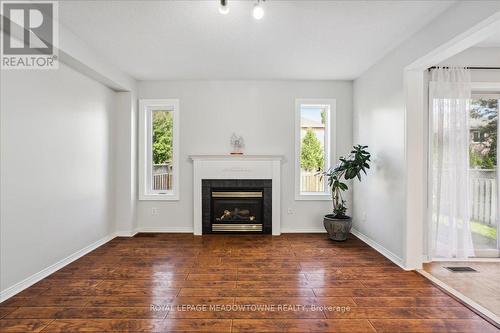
{"points": [[311, 154], [487, 109], [162, 137], [481, 162]]}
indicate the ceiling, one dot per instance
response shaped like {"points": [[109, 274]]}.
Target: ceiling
{"points": [[154, 40]]}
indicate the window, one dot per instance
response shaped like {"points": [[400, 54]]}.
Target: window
{"points": [[313, 147], [483, 174], [158, 149]]}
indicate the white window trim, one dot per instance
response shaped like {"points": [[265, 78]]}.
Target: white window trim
{"points": [[145, 108], [330, 145], [485, 87]]}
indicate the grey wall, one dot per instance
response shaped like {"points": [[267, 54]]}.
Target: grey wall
{"points": [[56, 168], [379, 200], [263, 113]]}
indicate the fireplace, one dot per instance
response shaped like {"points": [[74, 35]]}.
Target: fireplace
{"points": [[237, 206]]}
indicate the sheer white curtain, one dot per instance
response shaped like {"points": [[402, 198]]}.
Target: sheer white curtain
{"points": [[449, 97]]}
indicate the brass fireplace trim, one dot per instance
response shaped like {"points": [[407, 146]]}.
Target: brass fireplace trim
{"points": [[237, 227], [242, 194]]}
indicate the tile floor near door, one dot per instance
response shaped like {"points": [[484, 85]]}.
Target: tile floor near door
{"points": [[483, 286], [231, 283]]}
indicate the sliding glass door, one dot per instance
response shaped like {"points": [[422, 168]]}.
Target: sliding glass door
{"points": [[483, 175]]}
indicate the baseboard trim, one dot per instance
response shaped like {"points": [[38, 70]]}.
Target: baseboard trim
{"points": [[302, 231], [126, 233], [190, 230], [462, 260], [379, 248], [469, 302], [166, 229], [29, 281]]}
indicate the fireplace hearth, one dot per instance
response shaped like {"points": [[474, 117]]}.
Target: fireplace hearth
{"points": [[236, 205]]}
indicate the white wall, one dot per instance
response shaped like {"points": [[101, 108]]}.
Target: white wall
{"points": [[379, 123], [396, 137], [475, 56], [480, 57], [125, 161], [56, 168], [263, 113]]}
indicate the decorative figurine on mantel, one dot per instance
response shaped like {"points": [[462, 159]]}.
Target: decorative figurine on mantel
{"points": [[238, 144]]}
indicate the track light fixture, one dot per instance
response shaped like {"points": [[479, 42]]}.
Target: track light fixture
{"points": [[257, 11], [223, 8]]}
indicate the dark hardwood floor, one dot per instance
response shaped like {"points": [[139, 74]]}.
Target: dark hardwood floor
{"points": [[231, 283]]}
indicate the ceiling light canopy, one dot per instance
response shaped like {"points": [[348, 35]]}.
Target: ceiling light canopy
{"points": [[223, 8], [258, 11]]}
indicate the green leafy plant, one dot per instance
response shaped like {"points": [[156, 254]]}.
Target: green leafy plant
{"points": [[162, 137], [349, 167], [311, 154], [484, 155]]}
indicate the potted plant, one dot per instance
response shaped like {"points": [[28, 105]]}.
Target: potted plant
{"points": [[338, 224]]}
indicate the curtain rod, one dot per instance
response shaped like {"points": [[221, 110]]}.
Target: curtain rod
{"points": [[434, 67]]}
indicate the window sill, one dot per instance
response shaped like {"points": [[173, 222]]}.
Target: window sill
{"points": [[159, 197], [313, 197]]}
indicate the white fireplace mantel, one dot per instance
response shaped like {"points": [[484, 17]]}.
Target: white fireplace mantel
{"points": [[236, 167]]}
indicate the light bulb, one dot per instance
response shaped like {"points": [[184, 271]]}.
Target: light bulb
{"points": [[223, 8], [258, 12]]}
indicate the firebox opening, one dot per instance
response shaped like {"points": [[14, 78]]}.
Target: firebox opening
{"points": [[237, 210], [237, 206]]}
